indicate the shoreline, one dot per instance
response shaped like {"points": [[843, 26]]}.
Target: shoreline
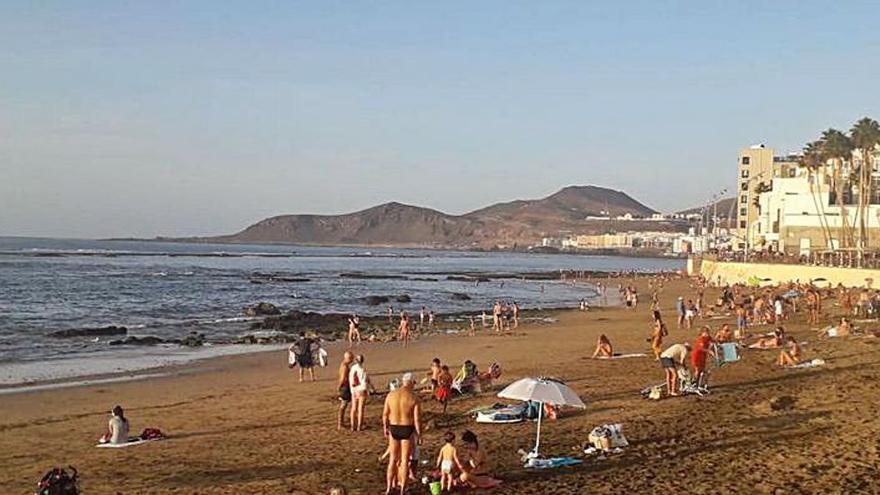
{"points": [[165, 360]]}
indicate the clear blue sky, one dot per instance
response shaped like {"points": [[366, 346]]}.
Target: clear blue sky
{"points": [[176, 118]]}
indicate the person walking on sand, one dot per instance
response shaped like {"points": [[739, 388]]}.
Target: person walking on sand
{"points": [[344, 387], [431, 317], [422, 315], [447, 460], [515, 309], [679, 306], [359, 383], [400, 419], [303, 351], [403, 329], [657, 335], [444, 387], [473, 329], [496, 316]]}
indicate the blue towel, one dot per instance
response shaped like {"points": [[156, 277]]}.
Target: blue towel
{"points": [[553, 462]]}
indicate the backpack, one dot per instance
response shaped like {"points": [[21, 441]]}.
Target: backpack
{"points": [[58, 482]]}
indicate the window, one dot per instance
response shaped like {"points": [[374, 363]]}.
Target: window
{"points": [[743, 212], [744, 199], [745, 174], [746, 160], [745, 186], [742, 224]]}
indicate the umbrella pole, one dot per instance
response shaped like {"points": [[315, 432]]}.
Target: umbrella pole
{"points": [[538, 439]]}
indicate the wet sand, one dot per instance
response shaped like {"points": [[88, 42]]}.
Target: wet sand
{"points": [[243, 424]]}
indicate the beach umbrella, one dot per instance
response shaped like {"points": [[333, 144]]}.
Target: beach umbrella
{"points": [[542, 391]]}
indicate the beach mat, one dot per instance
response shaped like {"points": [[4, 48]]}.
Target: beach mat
{"points": [[553, 462], [130, 443], [624, 356]]}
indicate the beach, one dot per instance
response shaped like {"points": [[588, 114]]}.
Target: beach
{"points": [[243, 424]]}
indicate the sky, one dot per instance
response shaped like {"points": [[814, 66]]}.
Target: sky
{"points": [[199, 118]]}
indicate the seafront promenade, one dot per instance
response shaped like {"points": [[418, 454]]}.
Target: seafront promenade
{"points": [[765, 272]]}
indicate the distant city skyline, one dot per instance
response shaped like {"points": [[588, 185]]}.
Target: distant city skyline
{"points": [[201, 118]]}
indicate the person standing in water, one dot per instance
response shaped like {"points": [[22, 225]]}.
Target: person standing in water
{"points": [[400, 419]]}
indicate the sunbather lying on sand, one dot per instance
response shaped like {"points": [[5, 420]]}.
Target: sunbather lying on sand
{"points": [[603, 348], [774, 341], [790, 356], [844, 329]]}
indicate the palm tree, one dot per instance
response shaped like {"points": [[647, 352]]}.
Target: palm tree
{"points": [[837, 147], [812, 160], [865, 137]]}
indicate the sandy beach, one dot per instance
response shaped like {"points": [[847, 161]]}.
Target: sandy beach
{"points": [[242, 424]]}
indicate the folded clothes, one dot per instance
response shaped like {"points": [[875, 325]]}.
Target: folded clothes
{"points": [[809, 364]]}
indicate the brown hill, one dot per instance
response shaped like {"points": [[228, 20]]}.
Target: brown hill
{"points": [[521, 222]]}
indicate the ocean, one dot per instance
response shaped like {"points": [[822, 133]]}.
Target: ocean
{"points": [[169, 290]]}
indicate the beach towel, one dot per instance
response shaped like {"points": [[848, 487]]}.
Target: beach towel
{"points": [[130, 443], [553, 462], [809, 364], [502, 414], [624, 356]]}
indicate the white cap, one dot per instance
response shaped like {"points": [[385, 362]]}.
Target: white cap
{"points": [[407, 378]]}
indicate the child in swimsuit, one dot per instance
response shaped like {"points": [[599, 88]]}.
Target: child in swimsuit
{"points": [[444, 386], [447, 460]]}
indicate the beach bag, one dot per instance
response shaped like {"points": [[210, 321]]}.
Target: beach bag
{"points": [[58, 482], [321, 357], [291, 357], [152, 434]]}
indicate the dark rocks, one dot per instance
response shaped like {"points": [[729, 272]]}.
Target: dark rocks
{"points": [[296, 321], [132, 340], [261, 278], [403, 298], [90, 332], [460, 296], [372, 276], [193, 340], [270, 337], [375, 300], [262, 309]]}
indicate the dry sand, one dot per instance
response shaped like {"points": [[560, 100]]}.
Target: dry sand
{"points": [[244, 425]]}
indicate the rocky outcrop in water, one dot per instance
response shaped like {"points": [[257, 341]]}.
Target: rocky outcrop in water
{"points": [[132, 340], [460, 296], [403, 298], [262, 309], [375, 300], [108, 331], [296, 321]]}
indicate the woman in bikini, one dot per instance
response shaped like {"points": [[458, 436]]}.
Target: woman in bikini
{"points": [[790, 356], [657, 335], [603, 348]]}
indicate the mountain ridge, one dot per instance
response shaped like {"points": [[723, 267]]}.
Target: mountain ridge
{"points": [[505, 224]]}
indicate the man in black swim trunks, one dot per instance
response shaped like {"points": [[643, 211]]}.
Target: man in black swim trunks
{"points": [[344, 387], [400, 420]]}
